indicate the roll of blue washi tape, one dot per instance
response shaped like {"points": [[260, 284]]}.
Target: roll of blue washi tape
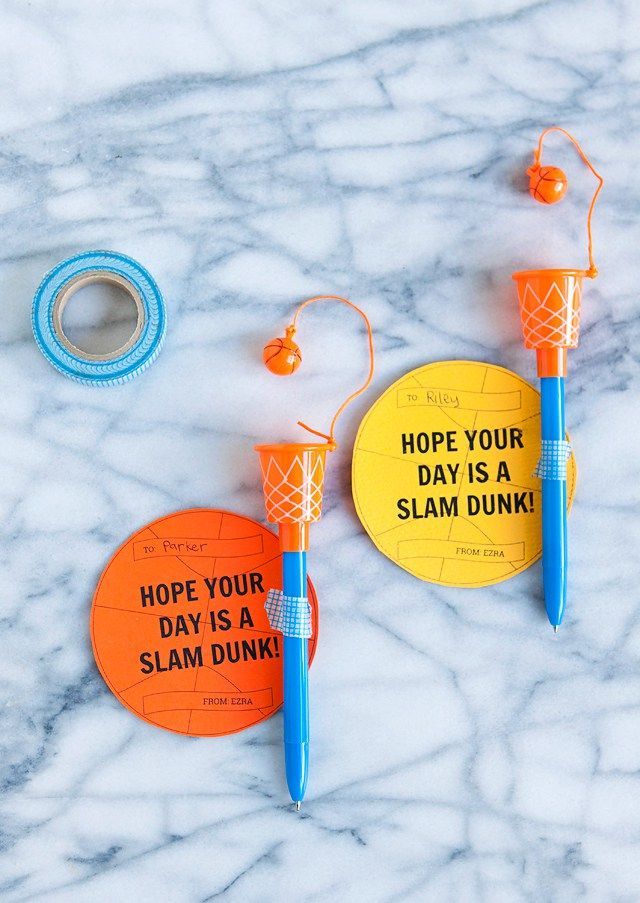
{"points": [[122, 364]]}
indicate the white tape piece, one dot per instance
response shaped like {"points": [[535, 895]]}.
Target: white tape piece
{"points": [[552, 464], [291, 615]]}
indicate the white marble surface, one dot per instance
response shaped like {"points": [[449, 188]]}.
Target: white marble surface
{"points": [[251, 154]]}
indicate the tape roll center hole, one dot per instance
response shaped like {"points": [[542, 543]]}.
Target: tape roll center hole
{"points": [[99, 318]]}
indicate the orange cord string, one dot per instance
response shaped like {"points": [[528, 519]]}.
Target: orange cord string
{"points": [[592, 272], [290, 331]]}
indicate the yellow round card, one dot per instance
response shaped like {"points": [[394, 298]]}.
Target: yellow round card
{"points": [[443, 473]]}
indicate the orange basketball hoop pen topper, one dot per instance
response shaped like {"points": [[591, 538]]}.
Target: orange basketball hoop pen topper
{"points": [[550, 299], [550, 314], [293, 480]]}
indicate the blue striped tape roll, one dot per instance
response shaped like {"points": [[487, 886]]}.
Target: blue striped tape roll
{"points": [[122, 364]]}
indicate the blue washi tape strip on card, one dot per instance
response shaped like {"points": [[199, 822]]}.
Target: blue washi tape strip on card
{"points": [[291, 615], [130, 359], [554, 455]]}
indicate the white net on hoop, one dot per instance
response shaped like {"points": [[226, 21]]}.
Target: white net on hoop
{"points": [[293, 486], [551, 315]]}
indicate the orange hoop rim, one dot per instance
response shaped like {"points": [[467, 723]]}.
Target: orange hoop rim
{"points": [[560, 271], [291, 447]]}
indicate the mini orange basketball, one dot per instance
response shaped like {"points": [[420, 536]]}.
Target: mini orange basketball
{"points": [[282, 356], [547, 184]]}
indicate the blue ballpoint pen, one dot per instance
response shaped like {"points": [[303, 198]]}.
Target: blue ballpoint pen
{"points": [[293, 481], [554, 502], [296, 684], [549, 309], [550, 315]]}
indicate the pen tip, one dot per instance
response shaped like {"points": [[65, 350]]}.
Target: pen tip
{"points": [[298, 804], [555, 628]]}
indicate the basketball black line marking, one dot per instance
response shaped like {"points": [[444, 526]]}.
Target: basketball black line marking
{"points": [[464, 463], [278, 348], [399, 384], [117, 692]]}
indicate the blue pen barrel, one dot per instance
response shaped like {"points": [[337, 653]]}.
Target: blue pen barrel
{"points": [[296, 684], [554, 505]]}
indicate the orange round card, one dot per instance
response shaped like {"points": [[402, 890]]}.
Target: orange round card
{"points": [[178, 625]]}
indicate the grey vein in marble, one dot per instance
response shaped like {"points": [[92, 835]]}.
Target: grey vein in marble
{"points": [[251, 154]]}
